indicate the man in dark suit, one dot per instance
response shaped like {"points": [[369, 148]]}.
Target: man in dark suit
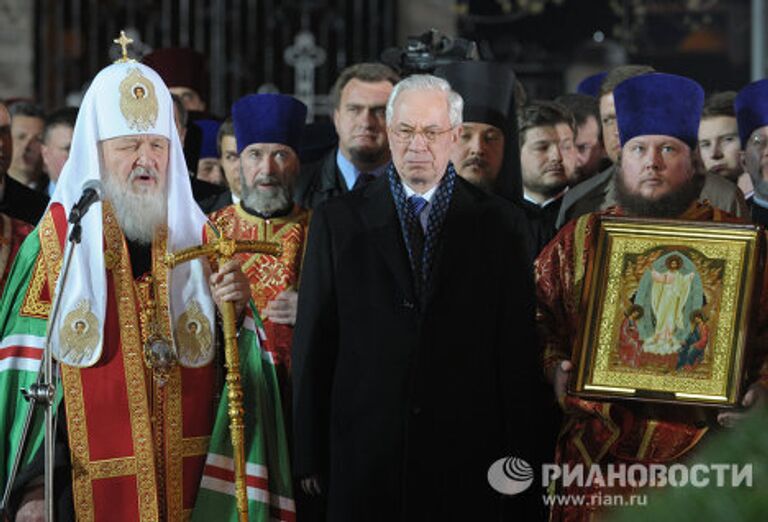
{"points": [[359, 96], [16, 199], [544, 164], [27, 122], [413, 364]]}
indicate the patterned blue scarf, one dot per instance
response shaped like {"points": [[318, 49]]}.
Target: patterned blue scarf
{"points": [[408, 221]]}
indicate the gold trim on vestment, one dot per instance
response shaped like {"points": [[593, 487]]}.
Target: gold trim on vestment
{"points": [[33, 305], [610, 425], [579, 255], [281, 220], [650, 429], [160, 274], [51, 247], [172, 418], [271, 229], [195, 446], [174, 458], [82, 487], [111, 468], [73, 388], [77, 429], [133, 361]]}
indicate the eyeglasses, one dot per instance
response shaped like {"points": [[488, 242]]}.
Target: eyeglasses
{"points": [[408, 135]]}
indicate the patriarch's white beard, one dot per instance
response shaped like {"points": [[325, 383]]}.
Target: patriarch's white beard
{"points": [[138, 213]]}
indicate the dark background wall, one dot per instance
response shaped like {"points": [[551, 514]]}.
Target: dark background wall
{"points": [[551, 44], [244, 39]]}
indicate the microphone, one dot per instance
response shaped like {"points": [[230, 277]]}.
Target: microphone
{"points": [[92, 192]]}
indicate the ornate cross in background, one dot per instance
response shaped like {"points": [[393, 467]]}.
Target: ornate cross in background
{"points": [[304, 56]]}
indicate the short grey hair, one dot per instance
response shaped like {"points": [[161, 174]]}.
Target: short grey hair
{"points": [[427, 82]]}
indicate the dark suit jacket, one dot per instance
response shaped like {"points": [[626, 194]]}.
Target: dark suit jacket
{"points": [[319, 182], [541, 223], [216, 202], [22, 202], [205, 193], [401, 410], [758, 213]]}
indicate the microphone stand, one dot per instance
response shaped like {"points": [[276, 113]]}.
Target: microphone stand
{"points": [[43, 392]]}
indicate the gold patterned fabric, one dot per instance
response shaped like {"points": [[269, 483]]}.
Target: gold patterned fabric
{"points": [[270, 275], [140, 454]]}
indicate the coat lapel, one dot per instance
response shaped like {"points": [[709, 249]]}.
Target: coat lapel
{"points": [[455, 236], [379, 215], [331, 180]]}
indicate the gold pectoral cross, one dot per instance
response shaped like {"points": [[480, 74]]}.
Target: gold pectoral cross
{"points": [[222, 249]]}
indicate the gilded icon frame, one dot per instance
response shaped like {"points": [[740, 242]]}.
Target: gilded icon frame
{"points": [[666, 307]]}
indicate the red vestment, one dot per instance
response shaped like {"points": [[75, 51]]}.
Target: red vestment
{"points": [[602, 432], [270, 275], [12, 234], [137, 445]]}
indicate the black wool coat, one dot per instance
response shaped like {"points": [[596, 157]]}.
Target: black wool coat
{"points": [[401, 409]]}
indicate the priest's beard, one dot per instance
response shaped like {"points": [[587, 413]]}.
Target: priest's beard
{"points": [[671, 205], [139, 211], [267, 200]]}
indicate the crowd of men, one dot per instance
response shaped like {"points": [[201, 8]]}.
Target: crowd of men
{"points": [[419, 321]]}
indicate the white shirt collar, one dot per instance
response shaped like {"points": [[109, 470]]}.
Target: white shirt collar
{"points": [[427, 195], [350, 173], [547, 202]]}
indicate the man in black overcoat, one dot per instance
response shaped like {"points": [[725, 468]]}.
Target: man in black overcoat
{"points": [[413, 357]]}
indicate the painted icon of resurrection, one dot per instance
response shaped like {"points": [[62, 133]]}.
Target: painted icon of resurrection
{"points": [[670, 294], [666, 310]]}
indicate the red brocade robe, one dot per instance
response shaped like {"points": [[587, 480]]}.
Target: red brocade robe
{"points": [[602, 432], [270, 275], [12, 234], [137, 448]]}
